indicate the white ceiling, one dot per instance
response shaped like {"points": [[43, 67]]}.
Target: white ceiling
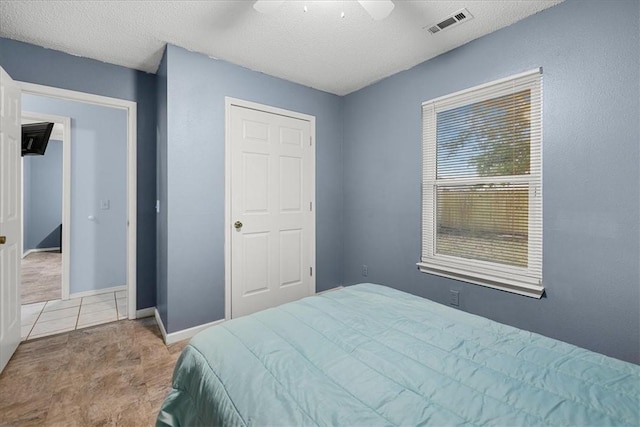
{"points": [[317, 48]]}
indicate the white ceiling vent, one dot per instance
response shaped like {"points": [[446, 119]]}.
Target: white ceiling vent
{"points": [[458, 17]]}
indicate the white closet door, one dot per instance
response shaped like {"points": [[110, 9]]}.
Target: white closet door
{"points": [[271, 188]]}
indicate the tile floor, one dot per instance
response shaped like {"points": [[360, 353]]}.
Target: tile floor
{"points": [[41, 277], [115, 374], [53, 317]]}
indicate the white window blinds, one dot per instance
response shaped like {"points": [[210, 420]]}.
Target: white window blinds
{"points": [[482, 186]]}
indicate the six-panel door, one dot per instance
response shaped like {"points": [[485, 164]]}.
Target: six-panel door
{"points": [[270, 209]]}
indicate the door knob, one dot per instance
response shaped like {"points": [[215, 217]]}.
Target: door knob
{"points": [[238, 225], [3, 239]]}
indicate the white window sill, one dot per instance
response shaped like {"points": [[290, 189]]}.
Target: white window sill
{"points": [[504, 282]]}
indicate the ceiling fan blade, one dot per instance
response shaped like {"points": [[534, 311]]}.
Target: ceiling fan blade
{"points": [[267, 6], [378, 9]]}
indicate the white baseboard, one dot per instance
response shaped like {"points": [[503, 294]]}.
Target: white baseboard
{"points": [[337, 288], [163, 331], [184, 334], [31, 251], [97, 292], [145, 312]]}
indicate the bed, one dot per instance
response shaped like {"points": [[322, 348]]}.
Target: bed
{"points": [[369, 355]]}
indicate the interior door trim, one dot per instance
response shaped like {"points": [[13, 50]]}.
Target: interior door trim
{"points": [[228, 225], [131, 108], [66, 194]]}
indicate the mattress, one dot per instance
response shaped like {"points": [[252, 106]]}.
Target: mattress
{"points": [[369, 355]]}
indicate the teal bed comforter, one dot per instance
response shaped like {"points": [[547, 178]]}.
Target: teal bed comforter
{"points": [[368, 355]]}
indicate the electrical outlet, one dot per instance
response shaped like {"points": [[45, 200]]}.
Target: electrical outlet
{"points": [[454, 298], [365, 270]]}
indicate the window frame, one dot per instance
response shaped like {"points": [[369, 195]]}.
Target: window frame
{"points": [[520, 280]]}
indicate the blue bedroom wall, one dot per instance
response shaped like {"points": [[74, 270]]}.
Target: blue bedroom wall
{"points": [[590, 173], [98, 174], [29, 63], [42, 198], [161, 190], [368, 210], [197, 86]]}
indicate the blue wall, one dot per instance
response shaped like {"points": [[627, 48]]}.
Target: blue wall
{"points": [[368, 170], [196, 90], [98, 173], [29, 63], [590, 173], [42, 192], [162, 225]]}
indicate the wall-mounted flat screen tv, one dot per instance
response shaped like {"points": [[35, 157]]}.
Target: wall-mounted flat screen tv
{"points": [[35, 137]]}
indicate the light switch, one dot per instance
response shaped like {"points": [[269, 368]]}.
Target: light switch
{"points": [[104, 204]]}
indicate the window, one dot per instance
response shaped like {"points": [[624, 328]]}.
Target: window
{"points": [[482, 186]]}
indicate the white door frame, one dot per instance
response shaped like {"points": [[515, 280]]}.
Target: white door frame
{"points": [[130, 108], [66, 191], [229, 102]]}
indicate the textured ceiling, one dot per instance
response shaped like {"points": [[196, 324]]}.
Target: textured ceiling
{"points": [[317, 48]]}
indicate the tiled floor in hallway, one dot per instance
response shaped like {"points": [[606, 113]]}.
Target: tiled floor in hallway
{"points": [[53, 317]]}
